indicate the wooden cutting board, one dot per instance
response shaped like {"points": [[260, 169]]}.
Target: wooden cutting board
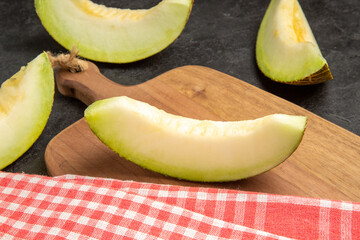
{"points": [[326, 164]]}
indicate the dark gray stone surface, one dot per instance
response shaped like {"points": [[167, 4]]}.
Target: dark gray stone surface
{"points": [[220, 35]]}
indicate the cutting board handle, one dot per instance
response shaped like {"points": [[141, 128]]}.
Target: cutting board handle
{"points": [[88, 85]]}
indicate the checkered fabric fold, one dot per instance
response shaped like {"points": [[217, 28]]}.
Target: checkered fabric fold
{"points": [[77, 207]]}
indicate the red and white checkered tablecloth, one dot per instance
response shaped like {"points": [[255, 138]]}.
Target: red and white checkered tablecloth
{"points": [[76, 207]]}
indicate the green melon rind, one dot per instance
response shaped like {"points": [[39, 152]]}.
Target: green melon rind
{"points": [[101, 124], [22, 126], [110, 50], [284, 70]]}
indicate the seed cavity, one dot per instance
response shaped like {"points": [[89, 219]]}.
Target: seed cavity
{"points": [[102, 11]]}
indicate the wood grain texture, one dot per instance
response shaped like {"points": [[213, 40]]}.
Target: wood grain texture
{"points": [[326, 164]]}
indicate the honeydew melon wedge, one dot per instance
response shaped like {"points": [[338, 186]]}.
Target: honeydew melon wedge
{"points": [[26, 100], [197, 150], [114, 35], [286, 49]]}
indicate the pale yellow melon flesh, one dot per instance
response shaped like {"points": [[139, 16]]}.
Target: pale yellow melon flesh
{"points": [[192, 149], [26, 100], [113, 35], [286, 49]]}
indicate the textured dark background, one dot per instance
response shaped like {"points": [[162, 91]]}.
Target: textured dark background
{"points": [[220, 35]]}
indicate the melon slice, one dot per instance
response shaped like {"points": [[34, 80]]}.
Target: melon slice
{"points": [[26, 100], [110, 34], [286, 49], [197, 150]]}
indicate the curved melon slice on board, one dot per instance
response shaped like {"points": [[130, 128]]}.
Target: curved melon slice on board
{"points": [[110, 34], [286, 50], [26, 100], [197, 150]]}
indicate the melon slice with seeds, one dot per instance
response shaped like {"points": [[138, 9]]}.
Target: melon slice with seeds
{"points": [[111, 34], [26, 100]]}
